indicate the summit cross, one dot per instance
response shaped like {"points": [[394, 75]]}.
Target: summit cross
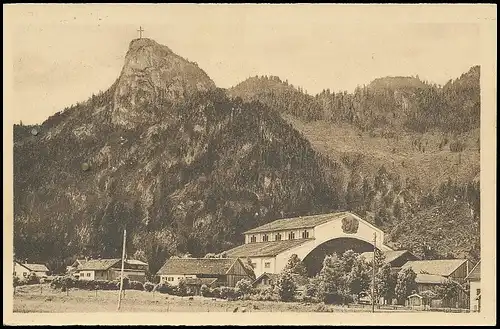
{"points": [[140, 30]]}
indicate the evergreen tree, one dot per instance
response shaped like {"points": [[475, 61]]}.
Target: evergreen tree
{"points": [[405, 284]]}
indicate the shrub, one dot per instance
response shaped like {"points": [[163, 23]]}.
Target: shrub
{"points": [[148, 286], [32, 279], [182, 288], [206, 291], [16, 281], [136, 285], [286, 287], [216, 292], [245, 286], [163, 288]]}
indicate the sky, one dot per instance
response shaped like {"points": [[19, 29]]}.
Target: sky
{"points": [[62, 54]]}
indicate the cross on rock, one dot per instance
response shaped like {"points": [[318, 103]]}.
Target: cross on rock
{"points": [[140, 30]]}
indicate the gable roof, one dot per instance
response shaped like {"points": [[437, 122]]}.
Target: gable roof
{"points": [[390, 256], [430, 278], [444, 267], [205, 266], [297, 222], [98, 264], [475, 273], [135, 262], [36, 267], [271, 276], [264, 249]]}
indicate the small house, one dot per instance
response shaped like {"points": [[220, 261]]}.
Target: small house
{"points": [[110, 269], [474, 279], [265, 280], [23, 270], [422, 300], [216, 271], [431, 274]]}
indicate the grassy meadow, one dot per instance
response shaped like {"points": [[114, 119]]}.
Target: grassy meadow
{"points": [[41, 298]]}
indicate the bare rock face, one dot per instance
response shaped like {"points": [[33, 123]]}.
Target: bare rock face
{"points": [[152, 73]]}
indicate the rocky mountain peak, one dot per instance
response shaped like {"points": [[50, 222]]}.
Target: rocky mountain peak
{"points": [[153, 73]]}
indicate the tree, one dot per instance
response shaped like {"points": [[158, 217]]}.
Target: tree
{"points": [[386, 283], [358, 279], [449, 290], [286, 286], [405, 284], [332, 280], [182, 288], [296, 266]]}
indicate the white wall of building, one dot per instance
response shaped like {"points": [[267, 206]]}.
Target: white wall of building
{"points": [[324, 233], [87, 275], [475, 289], [20, 271], [284, 235], [263, 264], [174, 279]]}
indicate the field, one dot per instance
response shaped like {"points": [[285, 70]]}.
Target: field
{"points": [[43, 299]]}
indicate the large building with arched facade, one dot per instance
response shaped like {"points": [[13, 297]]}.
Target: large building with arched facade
{"points": [[310, 237]]}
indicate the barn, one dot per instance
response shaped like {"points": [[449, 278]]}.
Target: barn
{"points": [[215, 271], [110, 269]]}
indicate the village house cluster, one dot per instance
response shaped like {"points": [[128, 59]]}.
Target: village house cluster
{"points": [[268, 248]]}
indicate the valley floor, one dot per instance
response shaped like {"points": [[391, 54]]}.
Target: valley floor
{"points": [[43, 299]]}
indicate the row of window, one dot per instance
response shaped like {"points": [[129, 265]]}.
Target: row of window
{"points": [[277, 237]]}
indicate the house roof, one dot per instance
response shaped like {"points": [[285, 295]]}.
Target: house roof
{"points": [[390, 256], [205, 266], [443, 267], [297, 222], [36, 267], [414, 295], [475, 273], [135, 262], [200, 281], [98, 264], [430, 278], [263, 249], [271, 276]]}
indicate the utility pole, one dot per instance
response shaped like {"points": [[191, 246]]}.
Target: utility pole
{"points": [[373, 270], [123, 265]]}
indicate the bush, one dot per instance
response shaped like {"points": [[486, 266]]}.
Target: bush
{"points": [[32, 279], [16, 281], [245, 286], [182, 288], [286, 287], [136, 285], [164, 288], [206, 291], [148, 286]]}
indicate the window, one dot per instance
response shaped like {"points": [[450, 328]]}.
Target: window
{"points": [[267, 264], [265, 238], [264, 281], [305, 235], [25, 274], [253, 238], [170, 278], [277, 237], [478, 291], [291, 236], [88, 274]]}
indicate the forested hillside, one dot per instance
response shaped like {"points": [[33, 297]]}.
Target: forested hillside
{"points": [[186, 168]]}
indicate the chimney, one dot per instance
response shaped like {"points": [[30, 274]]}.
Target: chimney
{"points": [[26, 261]]}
